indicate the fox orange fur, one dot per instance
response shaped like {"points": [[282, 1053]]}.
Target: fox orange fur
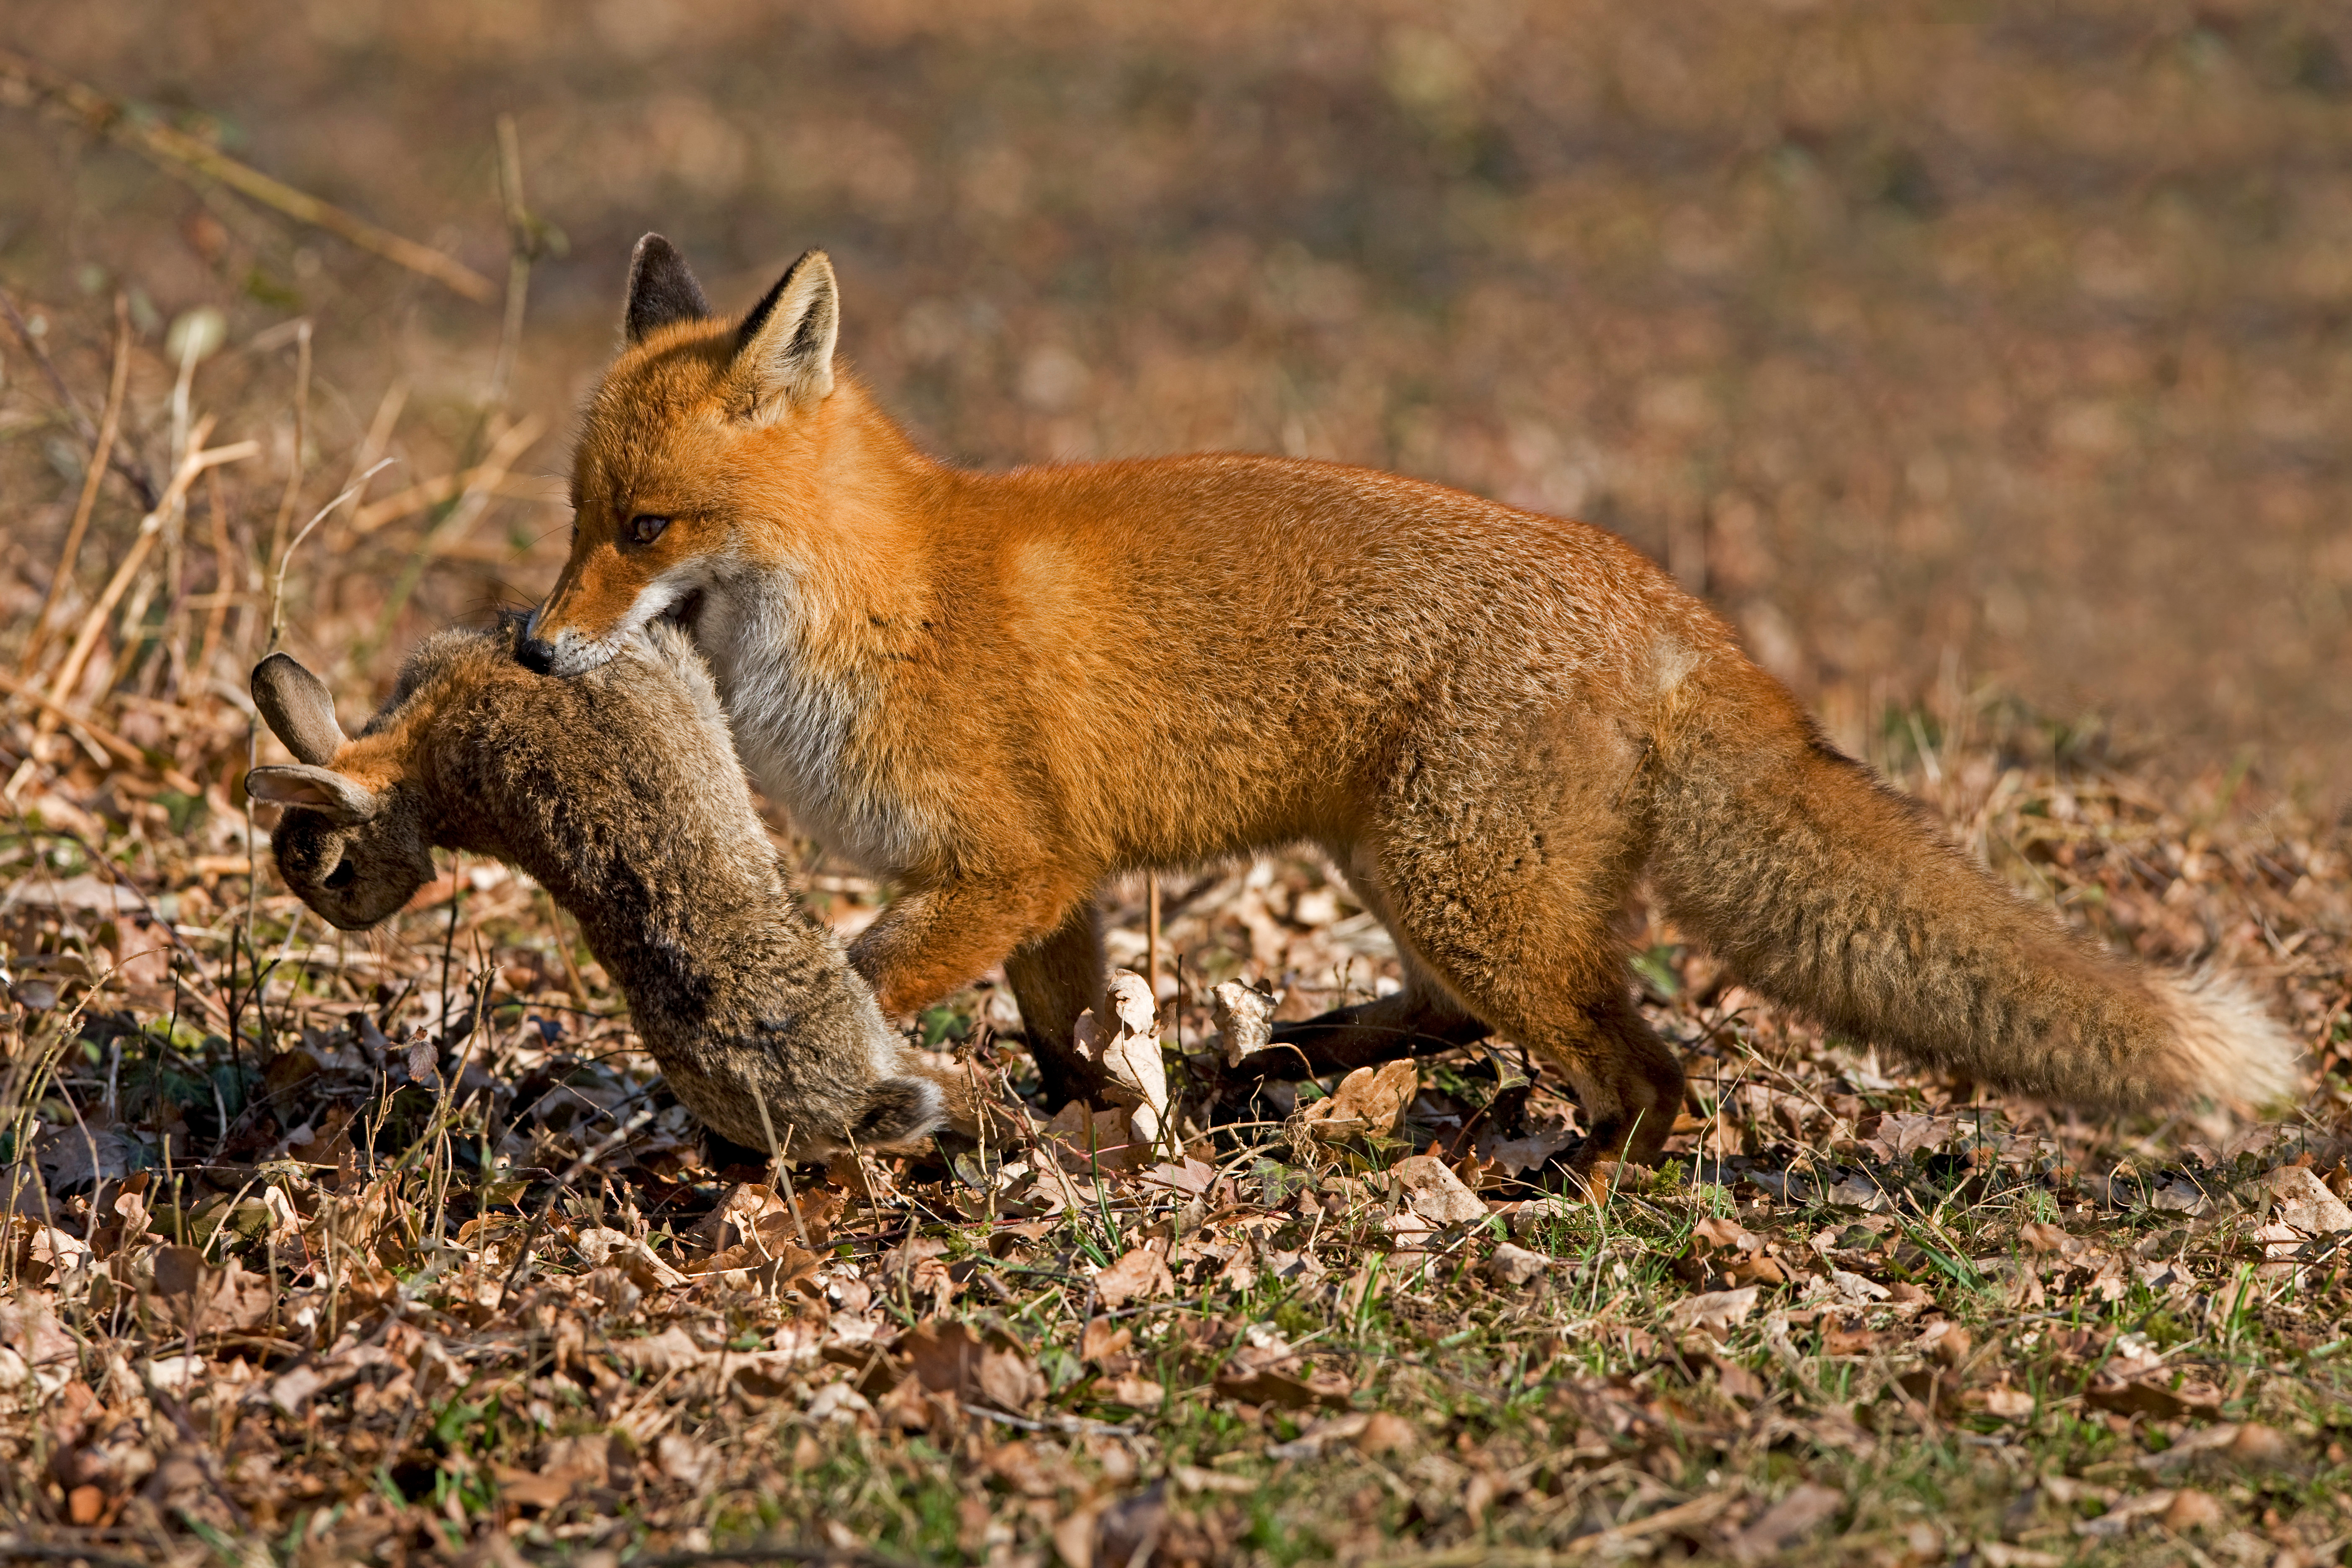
{"points": [[1002, 689]]}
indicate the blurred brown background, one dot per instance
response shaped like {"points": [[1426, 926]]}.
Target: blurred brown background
{"points": [[1950, 350]]}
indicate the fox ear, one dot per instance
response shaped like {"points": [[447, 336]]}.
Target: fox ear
{"points": [[340, 800], [784, 347], [298, 707], [662, 288]]}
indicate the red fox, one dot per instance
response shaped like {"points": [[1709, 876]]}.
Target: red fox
{"points": [[1000, 689]]}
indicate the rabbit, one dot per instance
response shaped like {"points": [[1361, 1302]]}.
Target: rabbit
{"points": [[620, 794]]}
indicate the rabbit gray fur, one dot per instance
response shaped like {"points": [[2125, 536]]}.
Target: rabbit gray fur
{"points": [[620, 794]]}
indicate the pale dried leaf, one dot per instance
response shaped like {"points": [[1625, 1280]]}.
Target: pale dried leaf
{"points": [[1140, 1274], [2304, 1202], [1368, 1103], [1435, 1193], [1715, 1310], [1244, 1020]]}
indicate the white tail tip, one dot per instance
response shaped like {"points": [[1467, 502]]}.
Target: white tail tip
{"points": [[2232, 1048]]}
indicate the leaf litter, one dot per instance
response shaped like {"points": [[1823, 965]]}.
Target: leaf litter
{"points": [[340, 1250], [408, 1271]]}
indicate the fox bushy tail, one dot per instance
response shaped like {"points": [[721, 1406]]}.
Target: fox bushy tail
{"points": [[1827, 890]]}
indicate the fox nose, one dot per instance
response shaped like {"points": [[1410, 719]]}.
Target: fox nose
{"points": [[536, 655]]}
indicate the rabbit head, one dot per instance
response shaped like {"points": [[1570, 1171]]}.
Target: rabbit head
{"points": [[353, 843]]}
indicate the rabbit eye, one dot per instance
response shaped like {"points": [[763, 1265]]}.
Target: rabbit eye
{"points": [[644, 529], [343, 875]]}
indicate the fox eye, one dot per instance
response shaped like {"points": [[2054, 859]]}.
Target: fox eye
{"points": [[644, 529]]}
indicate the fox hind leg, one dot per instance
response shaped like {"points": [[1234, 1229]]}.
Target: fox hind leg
{"points": [[1518, 920]]}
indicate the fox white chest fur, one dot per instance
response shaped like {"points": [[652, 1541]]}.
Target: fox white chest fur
{"points": [[800, 727]]}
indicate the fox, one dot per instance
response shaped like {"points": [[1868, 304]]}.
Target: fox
{"points": [[1000, 689], [620, 794]]}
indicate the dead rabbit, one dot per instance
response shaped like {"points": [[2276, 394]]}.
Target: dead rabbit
{"points": [[620, 794]]}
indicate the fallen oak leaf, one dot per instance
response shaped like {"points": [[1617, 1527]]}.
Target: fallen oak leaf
{"points": [[1435, 1193], [2144, 1396], [1131, 1056], [1368, 1103], [1142, 1272], [1243, 1019], [1267, 1387], [1717, 1310], [1511, 1265], [1800, 1513]]}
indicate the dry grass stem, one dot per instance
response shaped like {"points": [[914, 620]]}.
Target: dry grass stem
{"points": [[182, 153]]}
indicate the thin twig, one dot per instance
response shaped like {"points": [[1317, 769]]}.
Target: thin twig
{"points": [[481, 478], [98, 734], [109, 424], [522, 249], [509, 446], [179, 153], [132, 471], [15, 1549], [93, 624], [278, 580], [217, 611], [777, 1173], [293, 490], [619, 1136]]}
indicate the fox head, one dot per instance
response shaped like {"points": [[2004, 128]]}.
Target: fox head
{"points": [[698, 428]]}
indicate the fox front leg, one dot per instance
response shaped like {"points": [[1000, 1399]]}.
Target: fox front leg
{"points": [[934, 939]]}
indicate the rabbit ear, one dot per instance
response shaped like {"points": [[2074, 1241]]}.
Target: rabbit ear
{"points": [[338, 799], [298, 707]]}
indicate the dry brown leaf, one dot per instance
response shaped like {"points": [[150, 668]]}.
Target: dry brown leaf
{"points": [[2146, 1396], [1715, 1311], [1509, 1265], [1387, 1433], [672, 1350], [1800, 1513], [1435, 1193], [1715, 1233], [1266, 1386], [1074, 1537], [1140, 1273], [1009, 1380], [2009, 1404], [2306, 1202], [686, 1461], [948, 1358], [1128, 1050], [1106, 1344], [1368, 1103], [1084, 1141], [1137, 1393], [1516, 1155], [1243, 1018]]}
